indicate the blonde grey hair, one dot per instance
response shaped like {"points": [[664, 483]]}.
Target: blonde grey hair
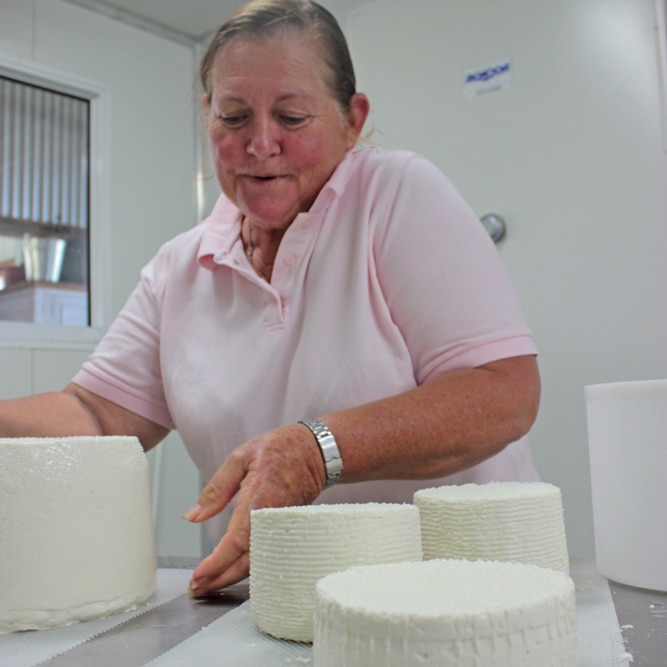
{"points": [[267, 18]]}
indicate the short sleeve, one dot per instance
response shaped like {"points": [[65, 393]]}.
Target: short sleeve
{"points": [[443, 280], [125, 367]]}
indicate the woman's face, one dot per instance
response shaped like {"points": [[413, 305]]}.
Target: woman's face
{"points": [[276, 134]]}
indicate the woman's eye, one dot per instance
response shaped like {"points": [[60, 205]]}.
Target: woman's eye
{"points": [[238, 120], [293, 120], [232, 120]]}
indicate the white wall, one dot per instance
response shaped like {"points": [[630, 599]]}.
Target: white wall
{"points": [[571, 154], [152, 197]]}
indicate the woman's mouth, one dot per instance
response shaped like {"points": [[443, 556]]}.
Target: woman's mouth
{"points": [[263, 178]]}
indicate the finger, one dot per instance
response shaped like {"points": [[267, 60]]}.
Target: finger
{"points": [[228, 564], [236, 572], [230, 551], [218, 492], [230, 548]]}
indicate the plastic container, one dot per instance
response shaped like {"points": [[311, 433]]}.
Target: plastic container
{"points": [[627, 441]]}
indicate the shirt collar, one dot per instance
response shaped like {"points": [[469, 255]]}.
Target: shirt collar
{"points": [[221, 230]]}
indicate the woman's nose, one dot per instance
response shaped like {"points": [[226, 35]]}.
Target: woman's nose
{"points": [[263, 141]]}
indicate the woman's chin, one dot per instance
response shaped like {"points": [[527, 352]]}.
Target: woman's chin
{"points": [[270, 215]]}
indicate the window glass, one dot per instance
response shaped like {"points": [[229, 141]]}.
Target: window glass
{"points": [[44, 205]]}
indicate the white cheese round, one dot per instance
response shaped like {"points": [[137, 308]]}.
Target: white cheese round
{"points": [[509, 521], [76, 530], [292, 547], [445, 613]]}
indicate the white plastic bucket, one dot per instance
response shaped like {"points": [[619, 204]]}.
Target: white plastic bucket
{"points": [[627, 440]]}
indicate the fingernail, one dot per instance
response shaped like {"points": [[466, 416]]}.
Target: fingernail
{"points": [[194, 586], [193, 512]]}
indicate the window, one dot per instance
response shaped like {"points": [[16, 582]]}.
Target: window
{"points": [[44, 175], [52, 218]]}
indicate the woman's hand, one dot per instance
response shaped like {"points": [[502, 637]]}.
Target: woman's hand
{"points": [[279, 468]]}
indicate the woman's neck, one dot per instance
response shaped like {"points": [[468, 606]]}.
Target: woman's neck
{"points": [[261, 247]]}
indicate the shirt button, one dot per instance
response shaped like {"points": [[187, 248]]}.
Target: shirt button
{"points": [[290, 259]]}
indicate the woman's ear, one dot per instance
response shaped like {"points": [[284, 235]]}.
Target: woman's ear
{"points": [[357, 115]]}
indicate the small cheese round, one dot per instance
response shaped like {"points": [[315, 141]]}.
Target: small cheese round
{"points": [[292, 547], [509, 521]]}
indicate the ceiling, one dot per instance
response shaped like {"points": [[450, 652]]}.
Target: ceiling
{"points": [[188, 22]]}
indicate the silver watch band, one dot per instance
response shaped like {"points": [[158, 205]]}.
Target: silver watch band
{"points": [[333, 463]]}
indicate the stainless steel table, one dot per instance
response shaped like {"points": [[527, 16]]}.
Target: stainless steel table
{"points": [[642, 616], [153, 633]]}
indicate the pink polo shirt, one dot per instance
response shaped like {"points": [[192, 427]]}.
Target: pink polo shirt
{"points": [[388, 281]]}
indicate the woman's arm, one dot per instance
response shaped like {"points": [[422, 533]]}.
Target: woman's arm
{"points": [[446, 425], [74, 411]]}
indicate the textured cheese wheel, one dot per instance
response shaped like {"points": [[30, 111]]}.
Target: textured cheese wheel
{"points": [[445, 613], [509, 521], [76, 532], [292, 547]]}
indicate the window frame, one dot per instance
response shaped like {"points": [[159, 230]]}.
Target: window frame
{"points": [[44, 336], [661, 28]]}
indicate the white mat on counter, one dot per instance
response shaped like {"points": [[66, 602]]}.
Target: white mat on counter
{"points": [[27, 649], [600, 639], [233, 640]]}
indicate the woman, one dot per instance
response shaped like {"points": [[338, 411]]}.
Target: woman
{"points": [[350, 286]]}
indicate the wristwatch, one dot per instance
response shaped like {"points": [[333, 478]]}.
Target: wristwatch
{"points": [[333, 463]]}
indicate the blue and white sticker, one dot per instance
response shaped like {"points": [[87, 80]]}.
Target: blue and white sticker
{"points": [[489, 76]]}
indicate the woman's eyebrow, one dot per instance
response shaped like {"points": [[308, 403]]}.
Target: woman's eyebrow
{"points": [[232, 97]]}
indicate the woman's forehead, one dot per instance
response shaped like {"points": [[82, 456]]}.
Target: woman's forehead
{"points": [[297, 45], [287, 59]]}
